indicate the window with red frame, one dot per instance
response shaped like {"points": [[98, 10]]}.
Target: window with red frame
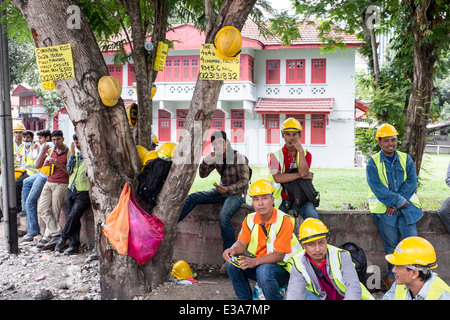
{"points": [[131, 75], [272, 128], [273, 71], [295, 71], [318, 70], [115, 71], [26, 101], [247, 65], [301, 119], [163, 125], [237, 126], [318, 128], [180, 69], [181, 119]]}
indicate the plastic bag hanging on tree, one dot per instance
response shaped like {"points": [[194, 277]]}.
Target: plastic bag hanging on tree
{"points": [[146, 233], [116, 226]]}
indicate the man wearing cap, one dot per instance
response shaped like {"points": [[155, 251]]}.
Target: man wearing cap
{"points": [[291, 156], [268, 235], [413, 259], [322, 271], [391, 176]]}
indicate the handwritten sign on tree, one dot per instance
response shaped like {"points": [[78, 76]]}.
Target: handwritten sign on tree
{"points": [[214, 68]]}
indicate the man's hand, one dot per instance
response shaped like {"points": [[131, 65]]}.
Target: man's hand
{"points": [[222, 189], [391, 211], [404, 205], [247, 262], [228, 253], [72, 148]]}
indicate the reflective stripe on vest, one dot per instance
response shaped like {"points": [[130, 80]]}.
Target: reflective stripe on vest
{"points": [[273, 231], [334, 255], [376, 206], [30, 167], [277, 186], [437, 288]]}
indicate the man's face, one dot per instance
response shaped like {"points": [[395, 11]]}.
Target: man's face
{"points": [[27, 138], [388, 145], [77, 144], [58, 142], [42, 140], [291, 137], [316, 249], [17, 135], [220, 146], [263, 204], [403, 275]]}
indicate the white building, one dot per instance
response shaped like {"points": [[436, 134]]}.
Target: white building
{"points": [[275, 82]]}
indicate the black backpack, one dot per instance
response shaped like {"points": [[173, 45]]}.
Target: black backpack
{"points": [[152, 179], [358, 258], [301, 191]]}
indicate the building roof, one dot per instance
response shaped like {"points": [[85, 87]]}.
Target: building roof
{"points": [[313, 105]]}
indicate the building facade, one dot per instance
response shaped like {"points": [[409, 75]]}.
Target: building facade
{"points": [[276, 82]]}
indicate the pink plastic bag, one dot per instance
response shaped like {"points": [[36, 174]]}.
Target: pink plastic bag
{"points": [[145, 235]]}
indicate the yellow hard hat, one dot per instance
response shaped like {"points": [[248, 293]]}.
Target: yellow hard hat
{"points": [[167, 150], [291, 124], [142, 151], [152, 155], [228, 43], [181, 270], [18, 127], [18, 173], [132, 113], [414, 251], [153, 92], [260, 187], [386, 130], [109, 89], [154, 139], [312, 229]]}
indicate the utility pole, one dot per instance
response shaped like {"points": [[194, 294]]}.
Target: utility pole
{"points": [[6, 147]]}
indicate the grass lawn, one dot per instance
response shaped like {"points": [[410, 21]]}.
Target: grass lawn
{"points": [[337, 186]]}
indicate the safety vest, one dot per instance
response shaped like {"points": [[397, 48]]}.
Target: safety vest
{"points": [[437, 288], [18, 151], [376, 206], [28, 160], [79, 176], [277, 186], [334, 255], [272, 235]]}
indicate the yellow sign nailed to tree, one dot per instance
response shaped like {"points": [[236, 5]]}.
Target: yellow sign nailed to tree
{"points": [[214, 68], [54, 63], [161, 54]]}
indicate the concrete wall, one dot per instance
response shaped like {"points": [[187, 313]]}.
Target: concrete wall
{"points": [[199, 240]]}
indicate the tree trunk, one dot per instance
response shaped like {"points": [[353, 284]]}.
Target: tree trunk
{"points": [[108, 147], [417, 113]]}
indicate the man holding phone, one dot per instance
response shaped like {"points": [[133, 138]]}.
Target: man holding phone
{"points": [[234, 171]]}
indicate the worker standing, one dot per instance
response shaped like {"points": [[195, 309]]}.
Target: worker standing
{"points": [[413, 259], [322, 271], [268, 235], [391, 176]]}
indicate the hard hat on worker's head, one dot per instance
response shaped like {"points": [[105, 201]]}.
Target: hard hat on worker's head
{"points": [[132, 113], [386, 130], [152, 155], [181, 270], [142, 151], [154, 139], [312, 229], [228, 43], [109, 89], [18, 127], [291, 124], [167, 150], [260, 187], [413, 251]]}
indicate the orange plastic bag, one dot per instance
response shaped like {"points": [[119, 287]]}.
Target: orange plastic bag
{"points": [[116, 227]]}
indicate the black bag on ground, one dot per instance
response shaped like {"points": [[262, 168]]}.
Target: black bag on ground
{"points": [[301, 191], [152, 179], [359, 259]]}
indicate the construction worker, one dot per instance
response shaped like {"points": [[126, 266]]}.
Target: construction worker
{"points": [[391, 176], [234, 172], [268, 235], [322, 271], [154, 142], [444, 210], [18, 128], [413, 259], [291, 156]]}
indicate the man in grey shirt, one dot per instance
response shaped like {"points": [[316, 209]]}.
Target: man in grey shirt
{"points": [[444, 210]]}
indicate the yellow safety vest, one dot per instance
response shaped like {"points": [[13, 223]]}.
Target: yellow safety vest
{"points": [[79, 176], [17, 164], [376, 206], [28, 160], [272, 235], [437, 288], [334, 254], [277, 186]]}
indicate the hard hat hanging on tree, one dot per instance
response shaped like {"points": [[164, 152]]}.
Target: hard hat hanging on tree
{"points": [[132, 114], [109, 89], [228, 43]]}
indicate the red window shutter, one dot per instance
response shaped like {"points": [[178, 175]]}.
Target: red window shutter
{"points": [[115, 71], [168, 70], [272, 128], [131, 75], [318, 70], [163, 125], [194, 69], [186, 69], [237, 126], [176, 70], [273, 71], [251, 69], [295, 71], [181, 119], [318, 129]]}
